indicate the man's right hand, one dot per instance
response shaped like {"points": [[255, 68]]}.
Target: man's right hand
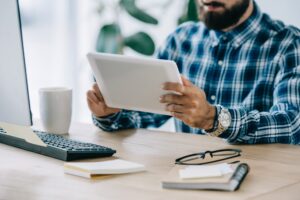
{"points": [[96, 103]]}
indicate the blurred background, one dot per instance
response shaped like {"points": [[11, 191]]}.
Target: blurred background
{"points": [[58, 34]]}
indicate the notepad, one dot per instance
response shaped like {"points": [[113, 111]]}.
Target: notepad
{"points": [[90, 169], [227, 179], [22, 132], [205, 171]]}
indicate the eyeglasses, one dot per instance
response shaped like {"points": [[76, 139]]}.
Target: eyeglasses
{"points": [[213, 156]]}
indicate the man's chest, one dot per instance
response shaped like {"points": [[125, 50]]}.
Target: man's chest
{"points": [[229, 75]]}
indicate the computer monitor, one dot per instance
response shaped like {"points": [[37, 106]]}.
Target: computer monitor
{"points": [[14, 97]]}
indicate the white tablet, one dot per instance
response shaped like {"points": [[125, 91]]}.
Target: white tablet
{"points": [[133, 83]]}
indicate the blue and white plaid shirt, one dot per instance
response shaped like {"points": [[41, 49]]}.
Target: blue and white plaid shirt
{"points": [[253, 71]]}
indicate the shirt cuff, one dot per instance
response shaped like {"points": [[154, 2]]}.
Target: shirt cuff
{"points": [[108, 118]]}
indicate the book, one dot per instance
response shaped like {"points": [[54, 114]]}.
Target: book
{"points": [[109, 167], [211, 177]]}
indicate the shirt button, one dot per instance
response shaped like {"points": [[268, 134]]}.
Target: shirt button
{"points": [[214, 44], [213, 97], [220, 63], [224, 38]]}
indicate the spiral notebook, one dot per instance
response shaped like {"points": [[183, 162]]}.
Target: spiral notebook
{"points": [[208, 178]]}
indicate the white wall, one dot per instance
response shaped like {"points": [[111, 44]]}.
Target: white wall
{"points": [[287, 10]]}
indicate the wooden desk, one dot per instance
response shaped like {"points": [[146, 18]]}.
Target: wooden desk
{"points": [[274, 174]]}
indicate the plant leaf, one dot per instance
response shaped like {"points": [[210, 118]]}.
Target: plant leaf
{"points": [[109, 39], [140, 42], [190, 13], [134, 11]]}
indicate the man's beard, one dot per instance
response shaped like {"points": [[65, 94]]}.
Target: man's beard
{"points": [[222, 20]]}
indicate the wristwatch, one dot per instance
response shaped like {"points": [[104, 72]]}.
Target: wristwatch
{"points": [[223, 122]]}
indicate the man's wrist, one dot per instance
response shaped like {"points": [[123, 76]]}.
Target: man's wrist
{"points": [[223, 121], [212, 118], [213, 124], [107, 117]]}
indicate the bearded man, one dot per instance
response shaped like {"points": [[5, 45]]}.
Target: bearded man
{"points": [[241, 78]]}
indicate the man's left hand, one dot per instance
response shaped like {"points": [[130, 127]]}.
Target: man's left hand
{"points": [[189, 104]]}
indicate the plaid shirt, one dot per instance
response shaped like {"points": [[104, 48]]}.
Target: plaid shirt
{"points": [[253, 71]]}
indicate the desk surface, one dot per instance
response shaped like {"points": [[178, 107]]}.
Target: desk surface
{"points": [[274, 173]]}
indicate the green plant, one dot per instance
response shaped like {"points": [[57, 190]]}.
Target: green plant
{"points": [[111, 40], [110, 37], [190, 12]]}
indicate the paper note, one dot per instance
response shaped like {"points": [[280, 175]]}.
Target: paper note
{"points": [[117, 166], [23, 132], [205, 171], [225, 168]]}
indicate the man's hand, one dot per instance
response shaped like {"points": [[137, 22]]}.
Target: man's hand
{"points": [[96, 103], [190, 105]]}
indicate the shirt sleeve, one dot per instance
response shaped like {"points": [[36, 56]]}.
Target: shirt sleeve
{"points": [[127, 119], [281, 124]]}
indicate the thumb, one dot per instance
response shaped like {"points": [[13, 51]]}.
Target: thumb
{"points": [[185, 81]]}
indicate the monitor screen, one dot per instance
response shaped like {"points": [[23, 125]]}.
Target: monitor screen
{"points": [[14, 98]]}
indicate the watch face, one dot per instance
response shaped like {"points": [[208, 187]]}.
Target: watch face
{"points": [[225, 118]]}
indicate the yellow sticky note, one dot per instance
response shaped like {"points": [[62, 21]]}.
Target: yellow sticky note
{"points": [[23, 132]]}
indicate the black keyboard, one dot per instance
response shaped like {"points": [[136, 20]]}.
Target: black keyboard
{"points": [[59, 147]]}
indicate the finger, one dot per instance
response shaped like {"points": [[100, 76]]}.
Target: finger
{"points": [[175, 108], [92, 96], [97, 91], [174, 99], [179, 116], [95, 108], [176, 87], [90, 102], [92, 105], [96, 88], [186, 82]]}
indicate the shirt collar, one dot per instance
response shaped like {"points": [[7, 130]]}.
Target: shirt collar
{"points": [[240, 34]]}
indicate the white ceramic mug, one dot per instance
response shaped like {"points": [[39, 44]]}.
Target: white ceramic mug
{"points": [[56, 109]]}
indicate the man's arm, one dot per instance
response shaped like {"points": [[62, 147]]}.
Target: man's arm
{"points": [[126, 119], [282, 123]]}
